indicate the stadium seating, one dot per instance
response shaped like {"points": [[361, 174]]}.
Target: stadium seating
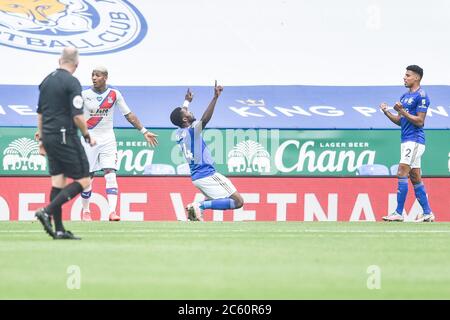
{"points": [[394, 169], [159, 168], [183, 169], [373, 170], [449, 162]]}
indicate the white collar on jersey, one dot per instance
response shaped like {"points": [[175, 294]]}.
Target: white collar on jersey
{"points": [[97, 92]]}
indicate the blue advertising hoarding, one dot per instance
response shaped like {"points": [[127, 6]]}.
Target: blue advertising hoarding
{"points": [[284, 107]]}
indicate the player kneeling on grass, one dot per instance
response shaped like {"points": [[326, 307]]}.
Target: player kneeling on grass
{"points": [[219, 191]]}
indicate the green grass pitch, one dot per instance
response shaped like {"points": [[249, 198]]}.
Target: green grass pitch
{"points": [[233, 260]]}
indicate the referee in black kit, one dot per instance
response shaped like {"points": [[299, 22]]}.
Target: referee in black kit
{"points": [[60, 112]]}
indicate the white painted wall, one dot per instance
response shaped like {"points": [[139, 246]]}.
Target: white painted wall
{"points": [[250, 42]]}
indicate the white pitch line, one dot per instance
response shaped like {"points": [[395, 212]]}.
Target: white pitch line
{"points": [[377, 231], [234, 231], [125, 231]]}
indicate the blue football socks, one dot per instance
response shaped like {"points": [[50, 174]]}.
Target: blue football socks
{"points": [[402, 191], [421, 195], [218, 204]]}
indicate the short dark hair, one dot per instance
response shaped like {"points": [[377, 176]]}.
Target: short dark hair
{"points": [[416, 69], [176, 117]]}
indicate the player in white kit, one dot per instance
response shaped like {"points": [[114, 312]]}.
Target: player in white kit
{"points": [[99, 104]]}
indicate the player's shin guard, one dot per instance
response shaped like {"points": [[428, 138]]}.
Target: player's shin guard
{"points": [[86, 197], [218, 204], [402, 192], [111, 190], [421, 195]]}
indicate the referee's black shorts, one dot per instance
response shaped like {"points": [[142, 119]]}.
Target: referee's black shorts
{"points": [[68, 159]]}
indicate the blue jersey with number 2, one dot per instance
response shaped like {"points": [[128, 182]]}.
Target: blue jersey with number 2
{"points": [[413, 102]]}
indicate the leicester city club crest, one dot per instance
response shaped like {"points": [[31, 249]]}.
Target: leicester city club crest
{"points": [[92, 26]]}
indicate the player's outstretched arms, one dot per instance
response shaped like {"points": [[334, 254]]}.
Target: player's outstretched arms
{"points": [[150, 137], [394, 118], [210, 110]]}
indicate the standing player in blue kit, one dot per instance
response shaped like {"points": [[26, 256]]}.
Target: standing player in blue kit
{"points": [[412, 110]]}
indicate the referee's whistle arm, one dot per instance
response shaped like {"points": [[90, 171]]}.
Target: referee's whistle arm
{"points": [[42, 151]]}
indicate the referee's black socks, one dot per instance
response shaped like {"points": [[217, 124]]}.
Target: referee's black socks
{"points": [[58, 197], [57, 213]]}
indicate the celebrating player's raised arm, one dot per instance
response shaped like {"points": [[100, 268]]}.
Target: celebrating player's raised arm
{"points": [[188, 98], [210, 110]]}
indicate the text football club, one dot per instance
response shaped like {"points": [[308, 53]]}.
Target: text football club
{"points": [[92, 26]]}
